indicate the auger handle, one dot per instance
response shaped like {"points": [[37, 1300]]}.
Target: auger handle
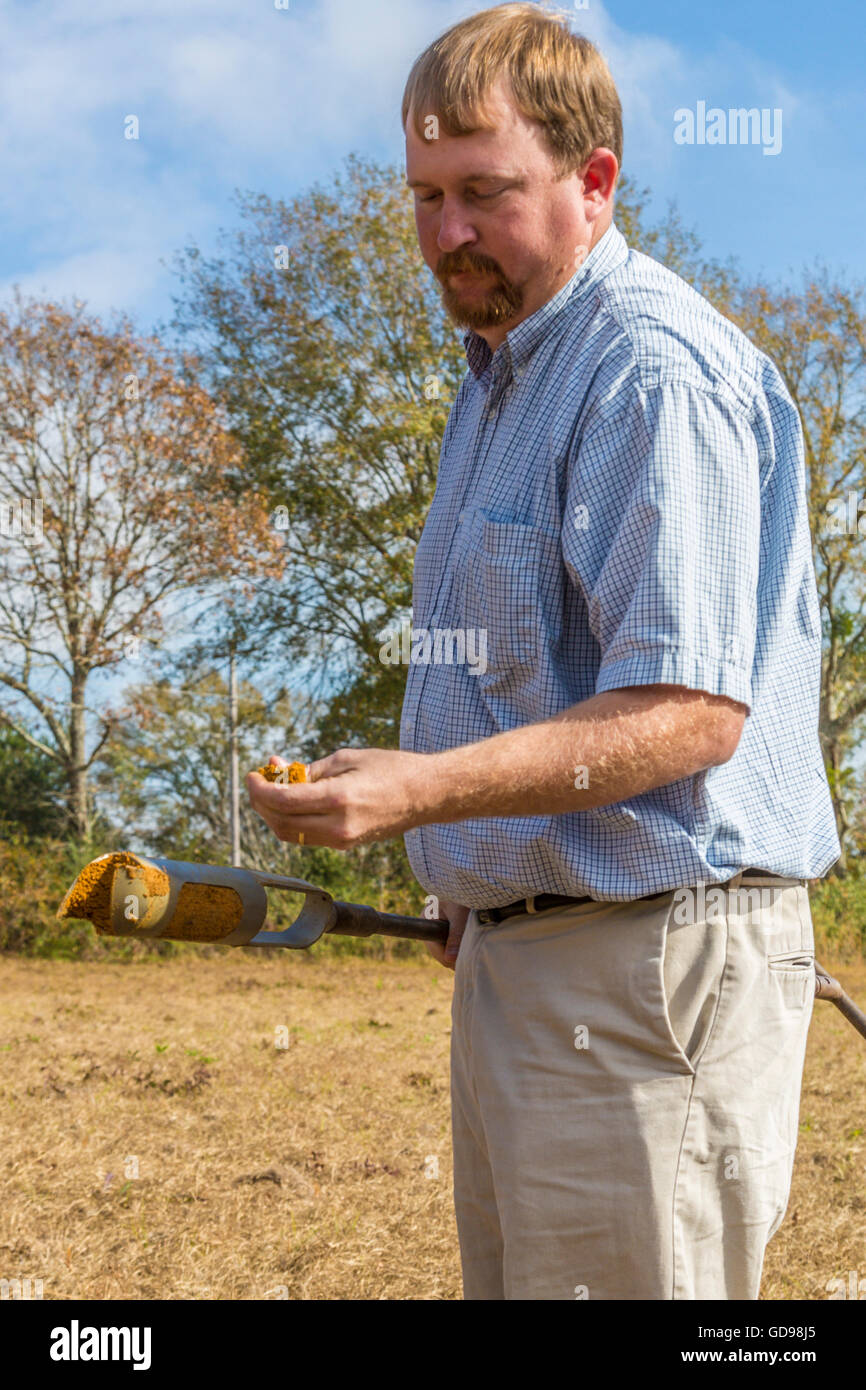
{"points": [[826, 987], [354, 919]]}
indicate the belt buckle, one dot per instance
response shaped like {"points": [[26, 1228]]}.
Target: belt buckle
{"points": [[484, 916]]}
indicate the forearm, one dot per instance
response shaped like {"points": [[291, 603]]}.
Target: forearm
{"points": [[606, 749]]}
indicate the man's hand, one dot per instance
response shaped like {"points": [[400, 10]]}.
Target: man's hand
{"points": [[352, 797], [457, 918], [609, 748]]}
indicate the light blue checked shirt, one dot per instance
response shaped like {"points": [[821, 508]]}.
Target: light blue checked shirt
{"points": [[621, 501]]}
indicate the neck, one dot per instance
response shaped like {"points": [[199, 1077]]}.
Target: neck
{"points": [[493, 337]]}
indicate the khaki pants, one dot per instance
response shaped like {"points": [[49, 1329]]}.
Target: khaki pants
{"points": [[625, 1093]]}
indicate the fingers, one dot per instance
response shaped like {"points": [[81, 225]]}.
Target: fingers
{"points": [[447, 954], [452, 945], [438, 953], [295, 799], [344, 760]]}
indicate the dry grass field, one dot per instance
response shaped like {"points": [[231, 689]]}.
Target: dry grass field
{"points": [[158, 1143]]}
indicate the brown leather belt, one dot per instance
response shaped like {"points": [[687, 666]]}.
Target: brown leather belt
{"points": [[542, 902]]}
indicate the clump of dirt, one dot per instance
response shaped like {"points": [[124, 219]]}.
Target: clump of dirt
{"points": [[89, 898], [295, 772]]}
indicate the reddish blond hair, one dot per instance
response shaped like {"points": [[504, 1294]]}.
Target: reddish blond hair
{"points": [[556, 77]]}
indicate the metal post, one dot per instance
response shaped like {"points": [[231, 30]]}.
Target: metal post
{"points": [[234, 774]]}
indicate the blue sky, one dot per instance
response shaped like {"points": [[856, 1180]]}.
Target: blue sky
{"points": [[238, 94]]}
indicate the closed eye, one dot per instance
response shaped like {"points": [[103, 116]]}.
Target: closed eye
{"points": [[494, 194]]}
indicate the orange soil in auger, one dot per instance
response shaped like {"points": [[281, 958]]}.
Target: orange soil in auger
{"points": [[90, 895], [205, 912]]}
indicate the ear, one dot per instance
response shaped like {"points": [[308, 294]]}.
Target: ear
{"points": [[599, 176]]}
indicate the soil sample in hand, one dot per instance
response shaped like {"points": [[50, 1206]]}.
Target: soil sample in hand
{"points": [[295, 772]]}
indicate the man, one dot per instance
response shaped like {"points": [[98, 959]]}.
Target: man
{"points": [[621, 512]]}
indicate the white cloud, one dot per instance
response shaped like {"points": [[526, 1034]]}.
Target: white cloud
{"points": [[227, 95], [241, 95]]}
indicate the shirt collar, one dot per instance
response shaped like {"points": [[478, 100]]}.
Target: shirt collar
{"points": [[609, 252]]}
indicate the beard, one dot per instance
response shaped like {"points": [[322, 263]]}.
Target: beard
{"points": [[469, 307]]}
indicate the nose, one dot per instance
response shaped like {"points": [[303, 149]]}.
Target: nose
{"points": [[455, 229]]}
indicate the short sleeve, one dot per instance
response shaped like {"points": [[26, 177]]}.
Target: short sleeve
{"points": [[661, 534]]}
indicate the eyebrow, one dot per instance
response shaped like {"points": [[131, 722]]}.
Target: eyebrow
{"points": [[468, 178]]}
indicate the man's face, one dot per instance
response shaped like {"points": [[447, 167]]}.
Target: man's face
{"points": [[499, 232]]}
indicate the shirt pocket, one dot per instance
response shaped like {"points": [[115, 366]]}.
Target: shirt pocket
{"points": [[512, 591]]}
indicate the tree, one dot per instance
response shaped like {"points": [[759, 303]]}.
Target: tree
{"points": [[329, 349], [31, 788], [166, 772], [120, 484], [816, 336]]}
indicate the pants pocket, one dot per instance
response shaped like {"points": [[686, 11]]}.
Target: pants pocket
{"points": [[793, 970], [693, 965], [668, 992], [794, 975], [795, 961]]}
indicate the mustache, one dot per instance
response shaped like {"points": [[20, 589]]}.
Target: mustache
{"points": [[452, 262]]}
